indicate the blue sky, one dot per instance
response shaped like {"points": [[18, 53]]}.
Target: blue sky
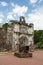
{"points": [[31, 9]]}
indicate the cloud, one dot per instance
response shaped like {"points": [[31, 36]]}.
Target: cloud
{"points": [[1, 20], [12, 4], [9, 17], [33, 1], [40, 1], [3, 3], [19, 10], [1, 17], [36, 17]]}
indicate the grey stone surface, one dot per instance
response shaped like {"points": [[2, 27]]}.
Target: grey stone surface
{"points": [[20, 33]]}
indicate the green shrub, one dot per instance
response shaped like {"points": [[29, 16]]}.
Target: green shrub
{"points": [[40, 45]]}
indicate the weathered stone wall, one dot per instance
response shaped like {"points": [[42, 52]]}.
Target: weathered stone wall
{"points": [[2, 39], [16, 27], [16, 31]]}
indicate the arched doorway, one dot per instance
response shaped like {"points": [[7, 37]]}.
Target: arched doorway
{"points": [[23, 47]]}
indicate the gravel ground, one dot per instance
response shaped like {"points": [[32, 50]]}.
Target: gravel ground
{"points": [[37, 59]]}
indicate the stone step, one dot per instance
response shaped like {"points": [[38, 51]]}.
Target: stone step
{"points": [[23, 55]]}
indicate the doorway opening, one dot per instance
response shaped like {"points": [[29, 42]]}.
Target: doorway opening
{"points": [[27, 48], [23, 44]]}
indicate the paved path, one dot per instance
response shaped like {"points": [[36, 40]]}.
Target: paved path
{"points": [[37, 59]]}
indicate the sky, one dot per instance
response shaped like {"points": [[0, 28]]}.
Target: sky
{"points": [[32, 10]]}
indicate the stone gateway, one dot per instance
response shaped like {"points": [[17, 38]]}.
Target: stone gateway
{"points": [[20, 35]]}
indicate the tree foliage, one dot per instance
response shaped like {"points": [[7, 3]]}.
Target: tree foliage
{"points": [[5, 26], [38, 38]]}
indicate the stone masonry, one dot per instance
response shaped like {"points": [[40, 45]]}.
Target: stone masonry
{"points": [[20, 35]]}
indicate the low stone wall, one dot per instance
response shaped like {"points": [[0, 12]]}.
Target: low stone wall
{"points": [[23, 55]]}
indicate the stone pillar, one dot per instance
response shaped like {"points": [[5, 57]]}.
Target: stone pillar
{"points": [[16, 48], [31, 47], [13, 47]]}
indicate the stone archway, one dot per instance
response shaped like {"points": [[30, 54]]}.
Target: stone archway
{"points": [[23, 41]]}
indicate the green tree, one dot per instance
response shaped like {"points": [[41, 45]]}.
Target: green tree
{"points": [[38, 38], [5, 26]]}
